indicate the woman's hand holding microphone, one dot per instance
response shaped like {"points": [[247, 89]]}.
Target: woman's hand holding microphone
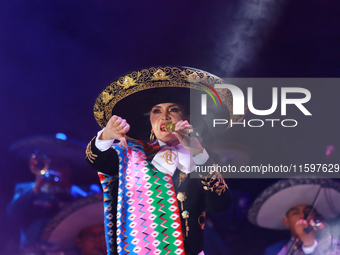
{"points": [[190, 143]]}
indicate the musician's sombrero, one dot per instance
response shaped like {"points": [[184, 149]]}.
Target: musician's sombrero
{"points": [[62, 231], [269, 209], [56, 147], [132, 95]]}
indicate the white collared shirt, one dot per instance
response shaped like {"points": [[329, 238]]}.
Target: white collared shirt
{"points": [[186, 161]]}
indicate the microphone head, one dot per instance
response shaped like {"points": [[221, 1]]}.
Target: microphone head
{"points": [[169, 126]]}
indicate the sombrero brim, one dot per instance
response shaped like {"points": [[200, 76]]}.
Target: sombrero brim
{"points": [[64, 228], [54, 148], [133, 94], [270, 207]]}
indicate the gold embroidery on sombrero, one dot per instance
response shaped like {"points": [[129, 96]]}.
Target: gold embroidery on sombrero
{"points": [[127, 82], [154, 77], [106, 97], [159, 75]]}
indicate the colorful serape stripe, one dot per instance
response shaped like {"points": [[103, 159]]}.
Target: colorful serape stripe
{"points": [[148, 219]]}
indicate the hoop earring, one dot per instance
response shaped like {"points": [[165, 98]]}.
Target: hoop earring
{"points": [[153, 137]]}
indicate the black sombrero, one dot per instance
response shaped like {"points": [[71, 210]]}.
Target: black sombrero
{"points": [[269, 209], [144, 88]]}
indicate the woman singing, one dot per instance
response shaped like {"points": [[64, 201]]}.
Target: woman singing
{"points": [[158, 204]]}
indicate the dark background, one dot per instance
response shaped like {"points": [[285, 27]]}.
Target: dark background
{"points": [[57, 56]]}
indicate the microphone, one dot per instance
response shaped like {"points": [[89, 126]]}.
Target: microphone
{"points": [[170, 127]]}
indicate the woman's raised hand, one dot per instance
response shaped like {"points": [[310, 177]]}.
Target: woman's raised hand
{"points": [[116, 128], [190, 143]]}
